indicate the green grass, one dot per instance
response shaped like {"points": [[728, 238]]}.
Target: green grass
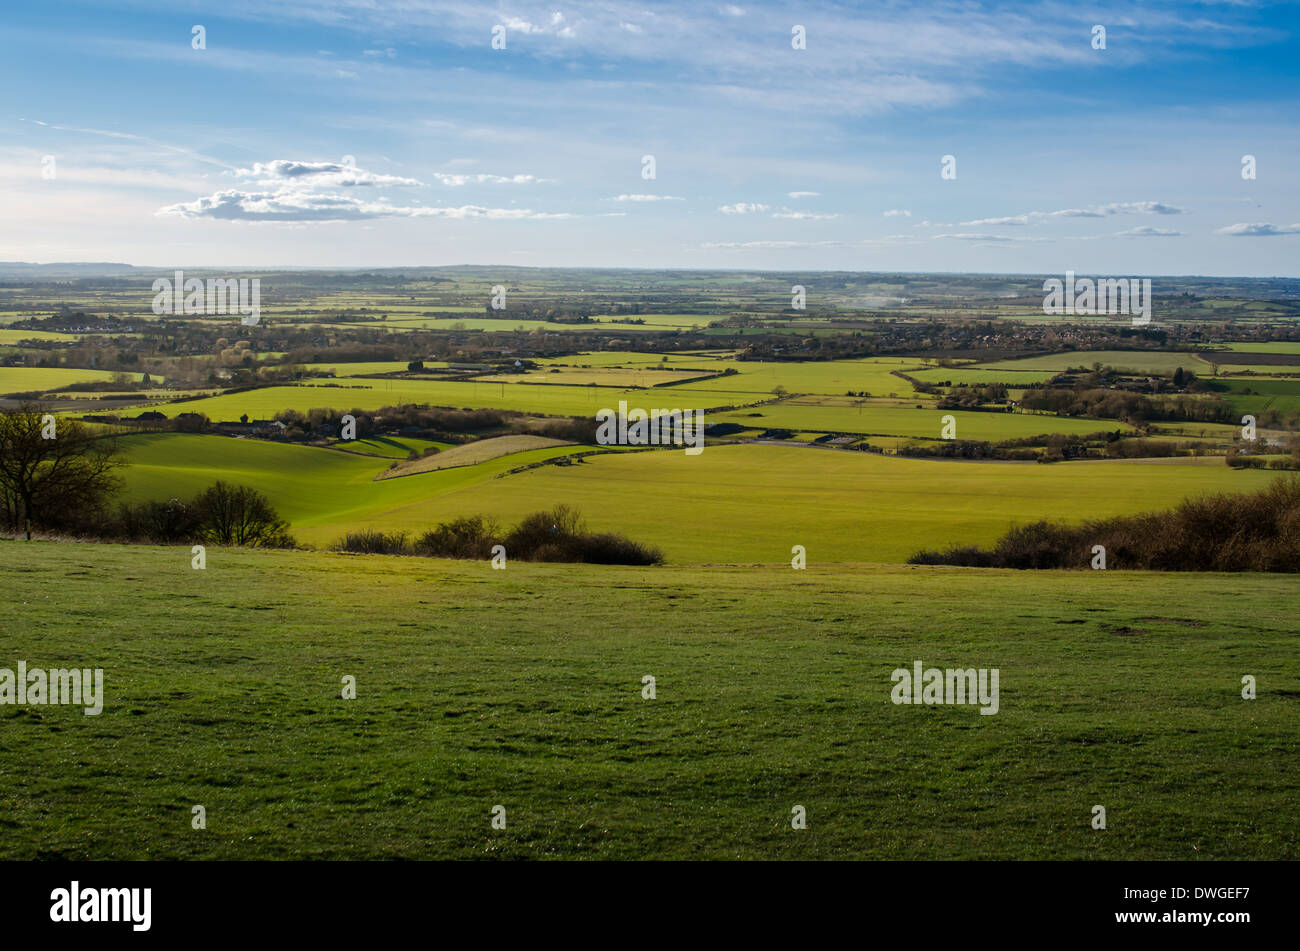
{"points": [[1276, 346], [27, 379], [729, 504], [523, 688], [1005, 374], [1280, 395], [844, 415], [519, 397], [831, 377], [358, 369], [1136, 361]]}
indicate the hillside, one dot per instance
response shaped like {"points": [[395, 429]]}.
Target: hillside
{"points": [[728, 504], [523, 687]]}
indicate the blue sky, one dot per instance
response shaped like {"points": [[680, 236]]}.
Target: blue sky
{"points": [[1118, 161]]}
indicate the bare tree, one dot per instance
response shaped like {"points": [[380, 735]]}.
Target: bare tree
{"points": [[239, 515], [53, 472]]}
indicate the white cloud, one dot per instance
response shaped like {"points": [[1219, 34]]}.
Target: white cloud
{"points": [[803, 215], [743, 208], [976, 237], [296, 205], [804, 194], [1258, 230], [318, 175], [1012, 220], [898, 213], [1146, 231], [646, 198], [777, 245], [456, 180]]}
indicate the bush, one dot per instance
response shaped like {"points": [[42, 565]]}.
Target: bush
{"points": [[555, 535], [162, 523], [471, 536], [239, 515], [374, 543], [1255, 532]]}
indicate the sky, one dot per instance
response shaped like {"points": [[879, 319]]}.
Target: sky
{"points": [[962, 136]]}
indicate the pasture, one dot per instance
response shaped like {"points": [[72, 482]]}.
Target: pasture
{"points": [[29, 379], [845, 415], [553, 400], [522, 688], [1134, 361], [741, 503]]}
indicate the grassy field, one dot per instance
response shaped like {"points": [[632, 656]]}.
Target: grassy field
{"points": [[1136, 361], [365, 367], [830, 377], [557, 400], [633, 376], [729, 504], [522, 688], [961, 375], [472, 454], [841, 414], [27, 379]]}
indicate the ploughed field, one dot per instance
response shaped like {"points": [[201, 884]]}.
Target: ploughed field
{"points": [[523, 688]]}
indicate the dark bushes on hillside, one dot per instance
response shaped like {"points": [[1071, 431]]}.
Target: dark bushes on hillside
{"points": [[471, 536], [375, 543], [221, 514], [556, 535], [1248, 532]]}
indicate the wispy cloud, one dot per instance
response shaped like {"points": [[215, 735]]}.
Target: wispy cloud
{"points": [[1258, 230], [1146, 231]]}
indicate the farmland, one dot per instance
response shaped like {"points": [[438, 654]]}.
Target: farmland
{"points": [[841, 506], [829, 414]]}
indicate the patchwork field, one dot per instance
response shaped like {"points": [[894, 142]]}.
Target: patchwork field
{"points": [[522, 688]]}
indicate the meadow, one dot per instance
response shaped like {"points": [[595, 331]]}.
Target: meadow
{"points": [[357, 393], [477, 688], [845, 415], [732, 503], [1136, 361], [30, 379]]}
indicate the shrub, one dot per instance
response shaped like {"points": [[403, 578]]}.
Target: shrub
{"points": [[374, 543], [1255, 532], [240, 515], [470, 536]]}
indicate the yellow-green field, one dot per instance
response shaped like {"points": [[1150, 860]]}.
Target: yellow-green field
{"points": [[730, 504], [1136, 361], [471, 454], [845, 415], [556, 400], [27, 379]]}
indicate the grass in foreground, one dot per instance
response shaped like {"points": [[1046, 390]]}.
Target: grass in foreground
{"points": [[522, 687]]}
